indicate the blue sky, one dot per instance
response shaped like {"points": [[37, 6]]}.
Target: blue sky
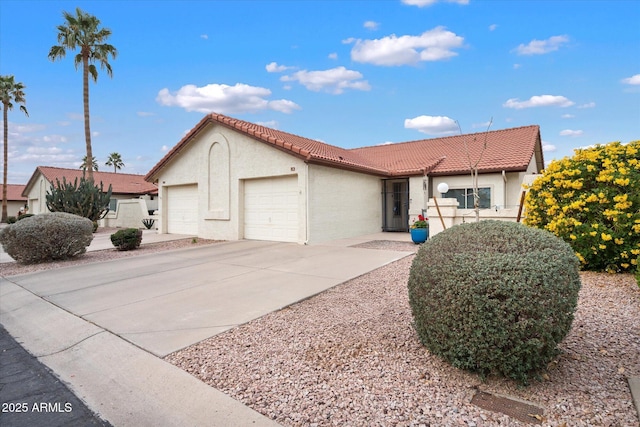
{"points": [[349, 73]]}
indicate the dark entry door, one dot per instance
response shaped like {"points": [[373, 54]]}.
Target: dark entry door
{"points": [[395, 205]]}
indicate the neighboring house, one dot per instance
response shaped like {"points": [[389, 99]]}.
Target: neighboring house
{"points": [[131, 198], [230, 179], [15, 200]]}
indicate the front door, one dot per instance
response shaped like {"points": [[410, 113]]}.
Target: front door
{"points": [[395, 205]]}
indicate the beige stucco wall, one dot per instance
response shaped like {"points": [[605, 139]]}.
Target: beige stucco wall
{"points": [[342, 204], [247, 159], [332, 203], [36, 195], [13, 207], [129, 213]]}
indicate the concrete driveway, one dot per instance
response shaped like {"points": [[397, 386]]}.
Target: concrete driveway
{"points": [[100, 327]]}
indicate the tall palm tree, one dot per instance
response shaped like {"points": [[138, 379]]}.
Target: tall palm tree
{"points": [[94, 164], [81, 31], [115, 160], [10, 92]]}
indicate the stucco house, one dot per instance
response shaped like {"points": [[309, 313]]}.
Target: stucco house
{"points": [[15, 199], [131, 199], [230, 179]]}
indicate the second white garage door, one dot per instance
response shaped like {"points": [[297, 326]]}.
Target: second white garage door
{"points": [[182, 209], [271, 209]]}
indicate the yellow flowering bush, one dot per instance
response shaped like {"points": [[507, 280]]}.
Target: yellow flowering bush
{"points": [[592, 201]]}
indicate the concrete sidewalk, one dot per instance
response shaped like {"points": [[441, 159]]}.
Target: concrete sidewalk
{"points": [[100, 327]]}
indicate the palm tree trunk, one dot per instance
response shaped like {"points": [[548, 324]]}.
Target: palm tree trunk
{"points": [[87, 127], [5, 163]]}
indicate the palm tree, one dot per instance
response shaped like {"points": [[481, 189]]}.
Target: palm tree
{"points": [[115, 160], [10, 92], [94, 164], [82, 32]]}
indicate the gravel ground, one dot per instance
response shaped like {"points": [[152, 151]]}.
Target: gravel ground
{"points": [[349, 357]]}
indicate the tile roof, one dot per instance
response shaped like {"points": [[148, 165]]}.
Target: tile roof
{"points": [[121, 183], [508, 149], [14, 192]]}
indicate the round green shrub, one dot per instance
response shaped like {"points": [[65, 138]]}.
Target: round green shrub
{"points": [[127, 239], [494, 297], [46, 237]]}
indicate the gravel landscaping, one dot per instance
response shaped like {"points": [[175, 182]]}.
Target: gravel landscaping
{"points": [[349, 357]]}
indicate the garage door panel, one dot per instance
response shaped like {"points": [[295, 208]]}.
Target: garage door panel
{"points": [[271, 209], [182, 209]]}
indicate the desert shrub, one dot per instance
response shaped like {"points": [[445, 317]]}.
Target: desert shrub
{"points": [[494, 297], [592, 202], [46, 237], [82, 198], [127, 239], [11, 219]]}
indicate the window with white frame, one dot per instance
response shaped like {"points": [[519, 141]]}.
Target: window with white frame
{"points": [[113, 204], [465, 197]]}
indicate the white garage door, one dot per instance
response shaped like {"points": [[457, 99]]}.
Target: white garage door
{"points": [[182, 209], [271, 209]]}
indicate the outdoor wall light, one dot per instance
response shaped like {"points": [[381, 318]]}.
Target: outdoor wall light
{"points": [[443, 187]]}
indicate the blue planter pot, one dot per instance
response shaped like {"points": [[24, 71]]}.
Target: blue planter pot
{"points": [[419, 235]]}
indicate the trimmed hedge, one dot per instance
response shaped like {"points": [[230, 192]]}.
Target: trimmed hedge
{"points": [[127, 239], [494, 297], [46, 237]]}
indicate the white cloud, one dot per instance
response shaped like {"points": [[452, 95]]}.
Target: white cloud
{"points": [[75, 116], [273, 67], [423, 3], [516, 66], [539, 47], [492, 27], [334, 80], [333, 55], [371, 25], [145, 114], [633, 80], [572, 133], [568, 116], [433, 45], [221, 98], [539, 101], [549, 148], [204, 36], [587, 105], [164, 148], [433, 125], [270, 124]]}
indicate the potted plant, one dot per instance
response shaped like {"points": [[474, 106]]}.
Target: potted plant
{"points": [[420, 230]]}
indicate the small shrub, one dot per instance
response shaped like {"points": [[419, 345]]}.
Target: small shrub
{"points": [[95, 226], [23, 216], [148, 223], [127, 239], [494, 297], [46, 237], [592, 202], [11, 219]]}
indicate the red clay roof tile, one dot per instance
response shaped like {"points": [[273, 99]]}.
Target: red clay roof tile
{"points": [[121, 183], [507, 149], [14, 192]]}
